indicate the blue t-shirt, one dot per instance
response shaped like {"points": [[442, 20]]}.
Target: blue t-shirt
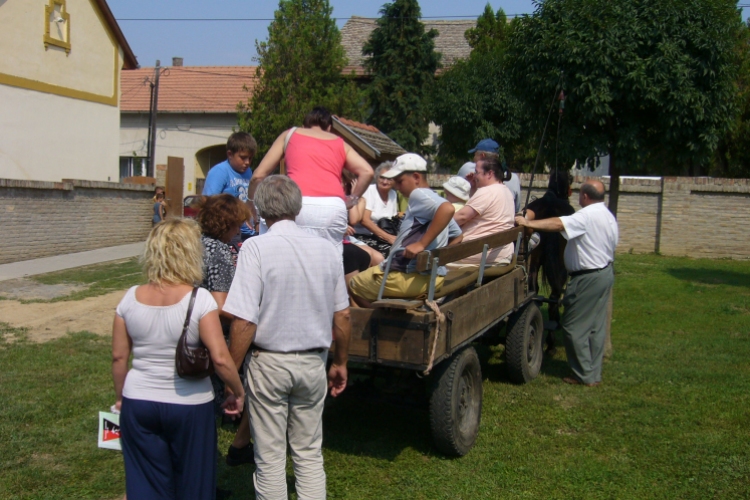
{"points": [[222, 178], [423, 203]]}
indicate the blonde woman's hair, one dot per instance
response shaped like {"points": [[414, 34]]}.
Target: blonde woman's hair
{"points": [[174, 253]]}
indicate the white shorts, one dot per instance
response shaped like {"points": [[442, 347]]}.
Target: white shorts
{"points": [[325, 217]]}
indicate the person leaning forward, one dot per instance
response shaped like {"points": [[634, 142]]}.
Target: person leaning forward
{"points": [[427, 225], [592, 236], [287, 295]]}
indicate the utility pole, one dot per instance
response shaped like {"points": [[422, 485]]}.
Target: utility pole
{"points": [[152, 120]]}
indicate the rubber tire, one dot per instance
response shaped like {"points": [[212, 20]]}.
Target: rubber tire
{"points": [[456, 403], [523, 344]]}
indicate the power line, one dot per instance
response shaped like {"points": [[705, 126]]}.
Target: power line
{"points": [[233, 19]]}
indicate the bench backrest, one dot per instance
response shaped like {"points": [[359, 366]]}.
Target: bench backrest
{"points": [[449, 254]]}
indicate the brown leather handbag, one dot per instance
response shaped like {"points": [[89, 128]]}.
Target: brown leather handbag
{"points": [[192, 362]]}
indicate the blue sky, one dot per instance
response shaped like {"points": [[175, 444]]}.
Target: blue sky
{"points": [[232, 43]]}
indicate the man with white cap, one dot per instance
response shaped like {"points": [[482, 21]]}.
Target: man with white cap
{"points": [[457, 191], [427, 225], [489, 149]]}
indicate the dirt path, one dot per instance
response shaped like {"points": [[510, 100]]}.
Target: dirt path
{"points": [[47, 321]]}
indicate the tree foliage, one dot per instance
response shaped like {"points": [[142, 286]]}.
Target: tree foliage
{"points": [[300, 66], [402, 61], [473, 99], [644, 79]]}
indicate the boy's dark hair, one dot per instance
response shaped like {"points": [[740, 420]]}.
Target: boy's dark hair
{"points": [[559, 183], [242, 141], [319, 116], [160, 196]]}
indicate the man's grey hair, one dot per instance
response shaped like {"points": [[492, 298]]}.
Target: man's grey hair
{"points": [[278, 197], [592, 191], [383, 167]]}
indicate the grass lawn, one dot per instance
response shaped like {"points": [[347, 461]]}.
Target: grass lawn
{"points": [[671, 419], [99, 279]]}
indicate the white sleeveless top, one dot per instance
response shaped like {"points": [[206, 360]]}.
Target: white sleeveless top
{"points": [[155, 331]]}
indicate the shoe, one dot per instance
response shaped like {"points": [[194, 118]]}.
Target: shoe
{"points": [[239, 456], [575, 381]]}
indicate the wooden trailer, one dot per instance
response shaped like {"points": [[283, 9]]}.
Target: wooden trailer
{"points": [[433, 336]]}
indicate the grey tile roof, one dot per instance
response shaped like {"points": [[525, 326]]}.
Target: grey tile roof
{"points": [[450, 40], [374, 137]]}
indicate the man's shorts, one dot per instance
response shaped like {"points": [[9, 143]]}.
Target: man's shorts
{"points": [[398, 285]]}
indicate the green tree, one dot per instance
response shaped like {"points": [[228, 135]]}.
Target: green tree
{"points": [[644, 79], [402, 62], [473, 99], [299, 67]]}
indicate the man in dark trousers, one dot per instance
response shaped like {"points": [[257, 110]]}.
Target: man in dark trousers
{"points": [[592, 235]]}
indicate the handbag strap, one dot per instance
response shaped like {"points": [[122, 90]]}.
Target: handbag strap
{"points": [[288, 137], [189, 311]]}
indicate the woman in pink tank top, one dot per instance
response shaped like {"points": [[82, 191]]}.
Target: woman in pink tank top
{"points": [[315, 159]]}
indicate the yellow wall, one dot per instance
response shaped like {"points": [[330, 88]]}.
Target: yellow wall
{"points": [[89, 71]]}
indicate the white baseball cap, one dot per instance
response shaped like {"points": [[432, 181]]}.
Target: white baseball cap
{"points": [[458, 187], [467, 168], [408, 162]]}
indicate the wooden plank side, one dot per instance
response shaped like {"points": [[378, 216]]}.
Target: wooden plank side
{"points": [[359, 343], [466, 249]]}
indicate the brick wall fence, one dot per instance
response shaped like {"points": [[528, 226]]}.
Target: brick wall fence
{"points": [[41, 219], [681, 216]]}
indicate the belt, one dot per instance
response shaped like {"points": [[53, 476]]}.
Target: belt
{"points": [[316, 350], [587, 271]]}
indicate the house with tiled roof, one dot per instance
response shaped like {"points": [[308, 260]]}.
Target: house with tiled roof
{"points": [[60, 68], [197, 110], [450, 42]]}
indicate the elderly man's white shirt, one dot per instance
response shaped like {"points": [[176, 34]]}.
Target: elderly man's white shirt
{"points": [[289, 283], [592, 236]]}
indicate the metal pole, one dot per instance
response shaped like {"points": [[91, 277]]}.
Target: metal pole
{"points": [[152, 119]]}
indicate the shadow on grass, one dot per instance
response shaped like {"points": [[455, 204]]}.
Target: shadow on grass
{"points": [[710, 276]]}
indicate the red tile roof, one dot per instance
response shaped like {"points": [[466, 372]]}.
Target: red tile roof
{"points": [[184, 89], [352, 123]]}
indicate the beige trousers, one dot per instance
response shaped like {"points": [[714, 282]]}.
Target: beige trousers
{"points": [[286, 394]]}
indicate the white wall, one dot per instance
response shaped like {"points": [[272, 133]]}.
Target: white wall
{"points": [[177, 134], [46, 137]]}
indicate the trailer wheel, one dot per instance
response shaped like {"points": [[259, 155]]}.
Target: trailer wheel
{"points": [[456, 403], [523, 344]]}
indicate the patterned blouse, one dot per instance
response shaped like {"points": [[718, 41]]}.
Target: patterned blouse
{"points": [[219, 265]]}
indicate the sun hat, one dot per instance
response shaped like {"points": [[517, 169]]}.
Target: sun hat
{"points": [[467, 168], [458, 187], [408, 162], [487, 145]]}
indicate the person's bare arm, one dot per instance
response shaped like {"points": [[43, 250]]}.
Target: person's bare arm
{"points": [[455, 241], [121, 347], [464, 215], [357, 212], [209, 329], [337, 373], [241, 335], [530, 215], [267, 165], [442, 218], [221, 298], [360, 168], [553, 224], [367, 223]]}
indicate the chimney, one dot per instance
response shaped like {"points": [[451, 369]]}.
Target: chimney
{"points": [[176, 61]]}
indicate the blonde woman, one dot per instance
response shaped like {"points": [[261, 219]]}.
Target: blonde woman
{"points": [[167, 422]]}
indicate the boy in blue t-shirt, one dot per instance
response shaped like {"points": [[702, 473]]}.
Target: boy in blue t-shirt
{"points": [[233, 175], [427, 225]]}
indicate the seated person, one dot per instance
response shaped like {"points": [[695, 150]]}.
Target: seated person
{"points": [[457, 191], [491, 209], [428, 224]]}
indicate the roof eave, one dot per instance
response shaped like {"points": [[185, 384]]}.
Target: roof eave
{"points": [[130, 61]]}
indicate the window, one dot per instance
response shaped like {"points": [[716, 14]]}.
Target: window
{"points": [[135, 166]]}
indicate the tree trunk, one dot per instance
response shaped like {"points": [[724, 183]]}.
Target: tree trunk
{"points": [[614, 183]]}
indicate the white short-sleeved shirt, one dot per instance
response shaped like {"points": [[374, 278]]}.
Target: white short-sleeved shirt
{"points": [[514, 184], [592, 236], [423, 203], [288, 282], [380, 210], [155, 331], [494, 206]]}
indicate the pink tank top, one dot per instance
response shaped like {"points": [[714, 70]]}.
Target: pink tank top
{"points": [[316, 165]]}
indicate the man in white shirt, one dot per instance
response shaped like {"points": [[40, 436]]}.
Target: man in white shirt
{"points": [[592, 236], [287, 296]]}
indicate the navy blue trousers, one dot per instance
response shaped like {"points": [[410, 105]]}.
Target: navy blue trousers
{"points": [[169, 450]]}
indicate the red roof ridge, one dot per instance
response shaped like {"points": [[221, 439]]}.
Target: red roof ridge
{"points": [[352, 123]]}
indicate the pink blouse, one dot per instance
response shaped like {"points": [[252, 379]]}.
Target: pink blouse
{"points": [[316, 165]]}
